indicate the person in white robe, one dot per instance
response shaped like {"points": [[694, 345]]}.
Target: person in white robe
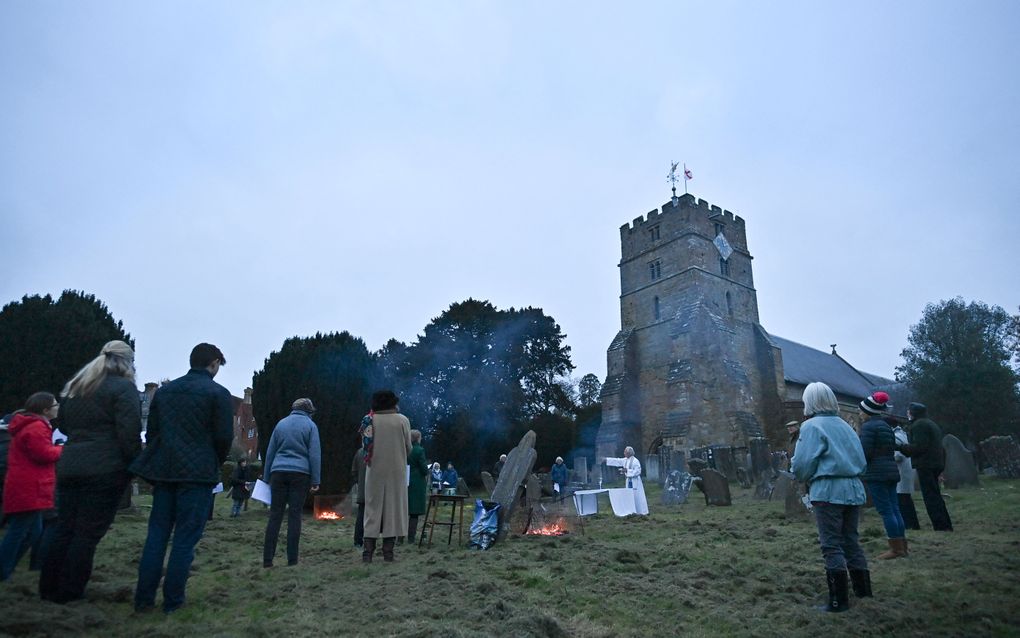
{"points": [[632, 470]]}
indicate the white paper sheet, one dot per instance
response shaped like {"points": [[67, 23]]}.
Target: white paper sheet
{"points": [[218, 488], [262, 492]]}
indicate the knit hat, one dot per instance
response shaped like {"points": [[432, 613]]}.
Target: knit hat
{"points": [[305, 405], [876, 403]]}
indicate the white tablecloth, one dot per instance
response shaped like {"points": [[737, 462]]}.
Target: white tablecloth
{"points": [[621, 499]]}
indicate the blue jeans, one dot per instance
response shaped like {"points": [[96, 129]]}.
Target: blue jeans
{"points": [[181, 509], [23, 530], [887, 504], [837, 535], [289, 490]]}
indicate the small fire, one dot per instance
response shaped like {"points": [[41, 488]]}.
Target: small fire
{"points": [[549, 530], [329, 516]]}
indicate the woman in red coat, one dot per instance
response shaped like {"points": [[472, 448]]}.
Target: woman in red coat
{"points": [[31, 477]]}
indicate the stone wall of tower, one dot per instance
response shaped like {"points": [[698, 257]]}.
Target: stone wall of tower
{"points": [[701, 371]]}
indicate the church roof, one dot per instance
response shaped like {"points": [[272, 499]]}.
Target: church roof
{"points": [[804, 365]]}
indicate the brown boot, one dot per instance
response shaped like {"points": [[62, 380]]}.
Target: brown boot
{"points": [[387, 549], [897, 549], [369, 549]]}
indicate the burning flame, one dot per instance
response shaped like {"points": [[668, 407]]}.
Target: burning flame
{"points": [[329, 516], [549, 530]]}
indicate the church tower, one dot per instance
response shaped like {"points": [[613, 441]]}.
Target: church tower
{"points": [[691, 365]]}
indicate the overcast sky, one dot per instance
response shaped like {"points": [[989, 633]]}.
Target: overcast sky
{"points": [[242, 172]]}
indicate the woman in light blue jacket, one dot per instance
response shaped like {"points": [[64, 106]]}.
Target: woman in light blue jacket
{"points": [[830, 459]]}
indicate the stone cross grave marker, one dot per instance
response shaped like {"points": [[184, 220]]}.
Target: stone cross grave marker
{"points": [[490, 485], [960, 467], [519, 463], [716, 487]]}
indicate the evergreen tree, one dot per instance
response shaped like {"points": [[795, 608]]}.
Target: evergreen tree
{"points": [[338, 373], [44, 342], [958, 361]]}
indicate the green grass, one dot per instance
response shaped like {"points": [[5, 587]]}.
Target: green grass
{"points": [[744, 570]]}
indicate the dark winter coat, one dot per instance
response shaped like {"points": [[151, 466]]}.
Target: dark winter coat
{"points": [[559, 474], [418, 488], [31, 465], [450, 478], [879, 445], [239, 483], [103, 430], [925, 446], [190, 429], [358, 474]]}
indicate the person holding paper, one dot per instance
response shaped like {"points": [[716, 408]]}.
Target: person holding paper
{"points": [[632, 471], [293, 463], [559, 476]]}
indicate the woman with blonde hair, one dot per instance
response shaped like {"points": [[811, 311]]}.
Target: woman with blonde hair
{"points": [[102, 419], [830, 459]]}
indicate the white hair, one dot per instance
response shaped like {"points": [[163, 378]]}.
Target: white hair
{"points": [[559, 459], [628, 449], [819, 398]]}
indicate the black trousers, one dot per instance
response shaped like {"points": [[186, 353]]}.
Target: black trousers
{"points": [[359, 526], [908, 511], [86, 507], [289, 490], [933, 502]]}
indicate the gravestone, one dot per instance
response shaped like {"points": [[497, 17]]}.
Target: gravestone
{"points": [[677, 488], [743, 478], [716, 487], [519, 463], [960, 468], [652, 468], [789, 490], [697, 465], [766, 483], [533, 490], [490, 485], [761, 457], [462, 487], [581, 469], [1003, 454], [722, 457]]}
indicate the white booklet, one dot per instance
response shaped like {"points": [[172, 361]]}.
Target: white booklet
{"points": [[262, 492]]}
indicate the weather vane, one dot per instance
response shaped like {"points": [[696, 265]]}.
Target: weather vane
{"points": [[673, 178]]}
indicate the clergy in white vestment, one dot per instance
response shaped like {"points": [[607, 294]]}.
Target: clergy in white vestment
{"points": [[632, 470]]}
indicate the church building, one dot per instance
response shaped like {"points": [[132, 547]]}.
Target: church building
{"points": [[692, 366]]}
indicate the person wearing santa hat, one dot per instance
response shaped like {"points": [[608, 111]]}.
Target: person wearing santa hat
{"points": [[882, 474]]}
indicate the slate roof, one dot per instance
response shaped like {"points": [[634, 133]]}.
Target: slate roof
{"points": [[804, 365]]}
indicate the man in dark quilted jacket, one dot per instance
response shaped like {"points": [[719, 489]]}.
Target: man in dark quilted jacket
{"points": [[190, 429]]}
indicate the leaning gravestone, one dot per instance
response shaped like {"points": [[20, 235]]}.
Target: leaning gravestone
{"points": [[1003, 454], [697, 466], [490, 485], [716, 487], [677, 488], [519, 463], [960, 468], [462, 487]]}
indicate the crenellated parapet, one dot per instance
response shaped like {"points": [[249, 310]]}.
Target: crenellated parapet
{"points": [[656, 215]]}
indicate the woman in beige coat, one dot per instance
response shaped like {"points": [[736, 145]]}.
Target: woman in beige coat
{"points": [[386, 476]]}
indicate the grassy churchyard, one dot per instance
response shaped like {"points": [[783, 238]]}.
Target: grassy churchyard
{"points": [[744, 570]]}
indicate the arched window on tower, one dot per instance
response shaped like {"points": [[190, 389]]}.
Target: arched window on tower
{"points": [[729, 303], [657, 312]]}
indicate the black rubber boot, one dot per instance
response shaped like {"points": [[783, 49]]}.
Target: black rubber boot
{"points": [[369, 549], [839, 590], [387, 549], [861, 581], [412, 529]]}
